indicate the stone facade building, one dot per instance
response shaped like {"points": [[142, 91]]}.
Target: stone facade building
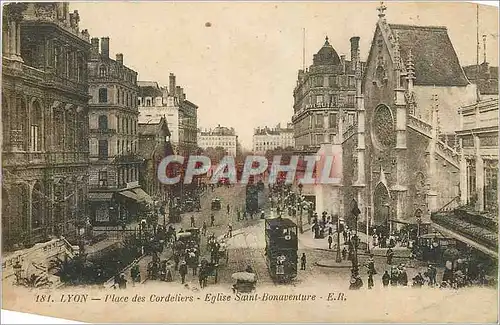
{"points": [[154, 145], [171, 103], [114, 190], [220, 136], [44, 122], [323, 92], [271, 138], [478, 136], [401, 160]]}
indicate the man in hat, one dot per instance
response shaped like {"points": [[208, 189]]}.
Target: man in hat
{"points": [[183, 270]]}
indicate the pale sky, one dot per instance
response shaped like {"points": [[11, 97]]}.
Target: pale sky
{"points": [[241, 71]]}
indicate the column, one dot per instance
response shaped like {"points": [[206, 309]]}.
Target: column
{"points": [[360, 149], [463, 176], [326, 134], [432, 194], [479, 175], [30, 211]]}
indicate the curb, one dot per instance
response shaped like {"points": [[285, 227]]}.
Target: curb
{"points": [[335, 266]]}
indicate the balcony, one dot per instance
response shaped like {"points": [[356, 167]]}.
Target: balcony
{"points": [[103, 131], [22, 158]]}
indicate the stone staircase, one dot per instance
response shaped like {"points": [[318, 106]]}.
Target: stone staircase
{"points": [[36, 260]]}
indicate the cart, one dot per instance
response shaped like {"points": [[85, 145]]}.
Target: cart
{"points": [[245, 282]]}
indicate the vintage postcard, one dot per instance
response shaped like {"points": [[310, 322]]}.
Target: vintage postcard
{"points": [[250, 161]]}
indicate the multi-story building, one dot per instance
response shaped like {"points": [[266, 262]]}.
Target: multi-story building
{"points": [[220, 136], [154, 145], [323, 92], [155, 103], [171, 103], [114, 190], [485, 77], [44, 122], [265, 138]]}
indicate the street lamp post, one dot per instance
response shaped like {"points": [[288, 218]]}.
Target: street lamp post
{"points": [[356, 212], [338, 258]]}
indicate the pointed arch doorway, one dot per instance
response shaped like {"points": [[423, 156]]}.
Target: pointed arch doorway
{"points": [[381, 205]]}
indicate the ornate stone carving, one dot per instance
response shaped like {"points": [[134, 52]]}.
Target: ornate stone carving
{"points": [[383, 126]]}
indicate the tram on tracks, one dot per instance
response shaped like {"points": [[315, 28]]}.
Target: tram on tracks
{"points": [[281, 249]]}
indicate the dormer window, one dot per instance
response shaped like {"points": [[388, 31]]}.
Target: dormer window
{"points": [[103, 71]]}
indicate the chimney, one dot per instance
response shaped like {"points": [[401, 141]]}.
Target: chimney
{"points": [[354, 49], [119, 58], [178, 92], [95, 47], [105, 47], [171, 87]]}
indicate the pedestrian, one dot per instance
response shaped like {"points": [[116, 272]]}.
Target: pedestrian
{"points": [[183, 270], [330, 241], [176, 261], [403, 277], [135, 274], [390, 255], [230, 230], [370, 280], [192, 222], [431, 273], [123, 282], [303, 261], [212, 220], [371, 265], [228, 209], [344, 253], [204, 228], [238, 214], [385, 279], [394, 277]]}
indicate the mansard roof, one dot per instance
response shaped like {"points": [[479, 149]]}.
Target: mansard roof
{"points": [[435, 59], [326, 55]]}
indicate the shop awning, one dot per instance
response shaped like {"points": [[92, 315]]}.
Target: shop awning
{"points": [[130, 195], [100, 196], [143, 196]]}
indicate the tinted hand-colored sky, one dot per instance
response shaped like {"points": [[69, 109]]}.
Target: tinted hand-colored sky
{"points": [[241, 68]]}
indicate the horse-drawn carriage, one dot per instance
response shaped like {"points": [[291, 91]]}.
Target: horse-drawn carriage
{"points": [[208, 269], [187, 247], [245, 282], [216, 205]]}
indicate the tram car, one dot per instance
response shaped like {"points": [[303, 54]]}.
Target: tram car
{"points": [[281, 249]]}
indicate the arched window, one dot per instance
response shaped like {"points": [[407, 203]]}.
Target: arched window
{"points": [[103, 149], [103, 71], [37, 209], [70, 129], [126, 126], [18, 124], [5, 122], [118, 96], [58, 130], [36, 122], [103, 122], [103, 95]]}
